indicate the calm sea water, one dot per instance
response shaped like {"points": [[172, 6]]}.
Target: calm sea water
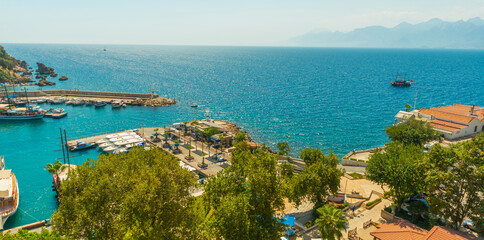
{"points": [[338, 99]]}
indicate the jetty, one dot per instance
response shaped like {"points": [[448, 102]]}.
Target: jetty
{"points": [[137, 99]]}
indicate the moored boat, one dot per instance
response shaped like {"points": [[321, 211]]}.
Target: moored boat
{"points": [[81, 146], [109, 149], [116, 104], [98, 104], [9, 194]]}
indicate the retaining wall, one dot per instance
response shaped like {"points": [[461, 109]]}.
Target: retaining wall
{"points": [[94, 94]]}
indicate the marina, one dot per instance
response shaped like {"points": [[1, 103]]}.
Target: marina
{"points": [[327, 118]]}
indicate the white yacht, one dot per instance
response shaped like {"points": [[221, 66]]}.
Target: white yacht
{"points": [[9, 195]]}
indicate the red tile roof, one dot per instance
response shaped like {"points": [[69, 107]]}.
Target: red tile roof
{"points": [[445, 125], [399, 230], [446, 233], [438, 113]]}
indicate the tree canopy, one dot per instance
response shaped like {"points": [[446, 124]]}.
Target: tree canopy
{"points": [[245, 196], [455, 179], [26, 235], [142, 194], [283, 148], [400, 167], [331, 222], [412, 132], [320, 177]]}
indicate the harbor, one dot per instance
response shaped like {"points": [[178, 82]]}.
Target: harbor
{"points": [[204, 156]]}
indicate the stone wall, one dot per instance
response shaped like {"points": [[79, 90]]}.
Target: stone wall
{"points": [[94, 94]]}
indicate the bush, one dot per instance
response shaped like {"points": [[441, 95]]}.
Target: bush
{"points": [[342, 206], [356, 175], [309, 223], [372, 202]]}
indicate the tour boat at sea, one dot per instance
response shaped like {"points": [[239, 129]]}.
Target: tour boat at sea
{"points": [[401, 82], [9, 194]]}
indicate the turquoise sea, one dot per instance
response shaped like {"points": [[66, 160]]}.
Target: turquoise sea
{"points": [[338, 99]]}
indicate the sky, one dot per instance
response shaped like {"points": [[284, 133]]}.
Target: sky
{"points": [[210, 22]]}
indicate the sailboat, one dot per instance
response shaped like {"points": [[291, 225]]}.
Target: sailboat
{"points": [[11, 112], [9, 194]]}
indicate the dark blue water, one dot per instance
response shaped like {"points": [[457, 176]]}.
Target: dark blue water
{"points": [[338, 99]]}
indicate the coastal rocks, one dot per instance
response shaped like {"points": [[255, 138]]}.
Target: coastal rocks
{"points": [[54, 75], [44, 82], [63, 78], [20, 64], [42, 69], [159, 101]]}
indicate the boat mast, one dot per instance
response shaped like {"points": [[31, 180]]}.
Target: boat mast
{"points": [[8, 99], [67, 152], [26, 96], [62, 144], [415, 104]]}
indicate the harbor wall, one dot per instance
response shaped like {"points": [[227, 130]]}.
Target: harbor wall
{"points": [[93, 94]]}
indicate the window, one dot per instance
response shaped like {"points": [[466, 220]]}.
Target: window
{"points": [[475, 129]]}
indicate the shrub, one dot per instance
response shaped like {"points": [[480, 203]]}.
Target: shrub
{"points": [[373, 202], [309, 223]]}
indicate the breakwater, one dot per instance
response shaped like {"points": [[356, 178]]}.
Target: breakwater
{"points": [[87, 94]]}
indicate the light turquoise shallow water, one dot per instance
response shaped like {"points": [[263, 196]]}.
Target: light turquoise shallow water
{"points": [[337, 99]]}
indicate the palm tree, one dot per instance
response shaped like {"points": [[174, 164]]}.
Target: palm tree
{"points": [[331, 222], [203, 158], [189, 147], [408, 107], [55, 168]]}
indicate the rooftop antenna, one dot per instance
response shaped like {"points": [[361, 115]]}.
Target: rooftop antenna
{"points": [[415, 104]]}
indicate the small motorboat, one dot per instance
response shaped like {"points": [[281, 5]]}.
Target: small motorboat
{"points": [[98, 104], [194, 105], [120, 150], [109, 149], [116, 104], [101, 141], [121, 143], [105, 145], [78, 102], [81, 146]]}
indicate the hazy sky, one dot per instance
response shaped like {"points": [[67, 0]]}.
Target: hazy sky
{"points": [[209, 22]]}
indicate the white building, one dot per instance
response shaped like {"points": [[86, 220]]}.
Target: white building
{"points": [[453, 121]]}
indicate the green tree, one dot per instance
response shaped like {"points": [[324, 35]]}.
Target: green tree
{"points": [[245, 196], [408, 107], [412, 132], [208, 132], [240, 137], [455, 185], [5, 76], [320, 178], [401, 168], [142, 195], [331, 222], [55, 168], [189, 147], [26, 235], [312, 155], [417, 208], [283, 148]]}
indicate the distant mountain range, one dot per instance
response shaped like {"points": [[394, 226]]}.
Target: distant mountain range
{"points": [[434, 33]]}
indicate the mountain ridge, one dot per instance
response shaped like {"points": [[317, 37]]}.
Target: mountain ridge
{"points": [[434, 33]]}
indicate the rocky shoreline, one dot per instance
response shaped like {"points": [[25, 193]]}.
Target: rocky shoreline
{"points": [[14, 71], [155, 102]]}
